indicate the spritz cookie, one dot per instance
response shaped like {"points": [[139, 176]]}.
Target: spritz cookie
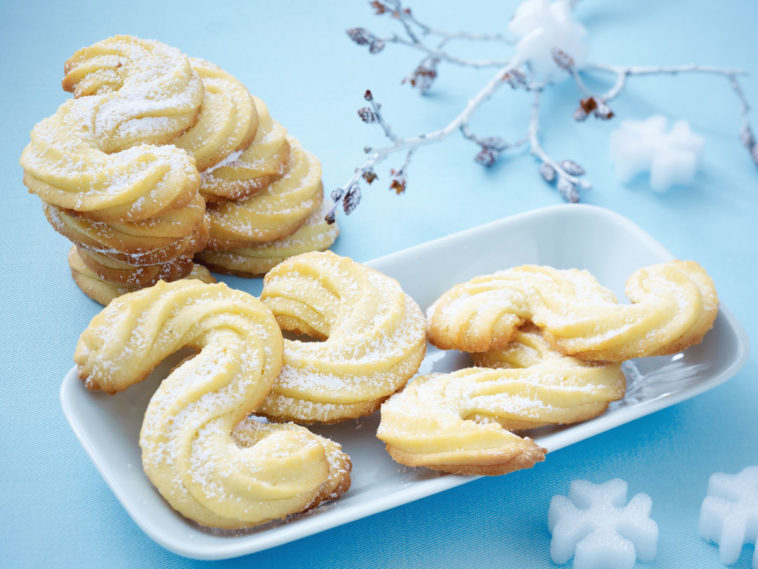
{"points": [[202, 452], [371, 338], [315, 235], [102, 289], [673, 305], [276, 212], [464, 421]]}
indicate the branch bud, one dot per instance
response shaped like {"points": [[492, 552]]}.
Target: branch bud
{"points": [[603, 111], [572, 168], [580, 115], [424, 75], [379, 7], [376, 46], [515, 78], [562, 59], [361, 36], [351, 199], [486, 157], [368, 115], [568, 190], [588, 105], [547, 172], [369, 175], [398, 182], [337, 194]]}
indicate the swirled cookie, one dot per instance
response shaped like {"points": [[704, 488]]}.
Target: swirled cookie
{"points": [[206, 458], [246, 172], [274, 213], [673, 305], [462, 422], [114, 271], [96, 155], [65, 166], [315, 235], [228, 118], [161, 239], [146, 91], [103, 289], [372, 338], [557, 389]]}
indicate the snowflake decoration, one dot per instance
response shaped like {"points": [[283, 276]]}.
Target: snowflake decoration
{"points": [[594, 525], [543, 27], [729, 514], [671, 157]]}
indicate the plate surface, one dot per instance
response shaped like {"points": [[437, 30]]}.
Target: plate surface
{"points": [[581, 236]]}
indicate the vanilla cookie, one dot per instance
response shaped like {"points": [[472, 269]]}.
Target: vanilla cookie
{"points": [[96, 155], [315, 235], [371, 332], [552, 389], [161, 239], [228, 119], [103, 289], [146, 92], [274, 213], [673, 305], [64, 165], [247, 172], [462, 421], [206, 457], [114, 271]]}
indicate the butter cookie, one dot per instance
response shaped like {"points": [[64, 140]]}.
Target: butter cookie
{"points": [[371, 336], [204, 454], [673, 305]]}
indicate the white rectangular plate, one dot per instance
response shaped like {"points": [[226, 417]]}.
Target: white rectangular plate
{"points": [[606, 244]]}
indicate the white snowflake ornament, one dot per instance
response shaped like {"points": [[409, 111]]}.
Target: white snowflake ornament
{"points": [[729, 514], [671, 157], [596, 526], [543, 27]]}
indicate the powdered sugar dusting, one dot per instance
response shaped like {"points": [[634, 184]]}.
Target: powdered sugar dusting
{"points": [[672, 303], [375, 333], [189, 451]]}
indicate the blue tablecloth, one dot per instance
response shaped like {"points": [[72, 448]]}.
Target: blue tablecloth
{"points": [[56, 510]]}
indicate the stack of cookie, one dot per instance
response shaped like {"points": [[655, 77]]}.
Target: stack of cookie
{"points": [[160, 156]]}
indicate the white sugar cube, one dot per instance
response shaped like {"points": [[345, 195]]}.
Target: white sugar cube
{"points": [[729, 514], [541, 27], [596, 527], [672, 157]]}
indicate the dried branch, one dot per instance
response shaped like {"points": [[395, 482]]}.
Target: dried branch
{"points": [[415, 34], [565, 175]]}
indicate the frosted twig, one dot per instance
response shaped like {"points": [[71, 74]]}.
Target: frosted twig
{"points": [[623, 72], [375, 115], [492, 147], [566, 175], [437, 53], [414, 31], [411, 144], [407, 14]]}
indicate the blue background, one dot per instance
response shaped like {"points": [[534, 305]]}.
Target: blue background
{"points": [[55, 509]]}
